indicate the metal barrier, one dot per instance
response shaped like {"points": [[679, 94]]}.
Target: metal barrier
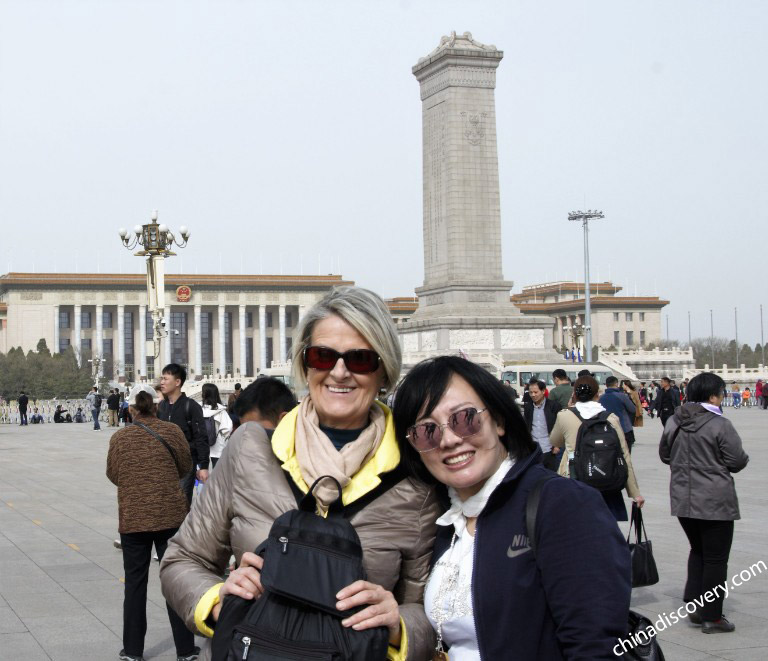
{"points": [[9, 411]]}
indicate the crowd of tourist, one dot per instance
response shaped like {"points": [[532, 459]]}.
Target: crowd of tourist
{"points": [[433, 485]]}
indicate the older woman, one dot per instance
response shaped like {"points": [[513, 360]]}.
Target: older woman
{"points": [[146, 461], [346, 350], [586, 392], [490, 594], [703, 451]]}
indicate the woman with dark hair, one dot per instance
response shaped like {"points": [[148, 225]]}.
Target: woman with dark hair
{"points": [[626, 384], [586, 393], [703, 449], [493, 593], [215, 415], [145, 462]]}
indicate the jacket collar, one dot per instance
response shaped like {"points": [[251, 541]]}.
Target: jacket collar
{"points": [[521, 466], [386, 459]]}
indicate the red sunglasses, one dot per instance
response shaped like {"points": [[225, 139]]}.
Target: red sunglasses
{"points": [[358, 361]]}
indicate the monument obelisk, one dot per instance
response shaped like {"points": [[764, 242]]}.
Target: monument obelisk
{"points": [[464, 303]]}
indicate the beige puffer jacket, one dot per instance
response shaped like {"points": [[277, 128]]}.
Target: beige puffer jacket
{"points": [[247, 491]]}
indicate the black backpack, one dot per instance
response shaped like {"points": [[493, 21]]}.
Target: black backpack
{"points": [[97, 401], [598, 459], [210, 430], [307, 560]]}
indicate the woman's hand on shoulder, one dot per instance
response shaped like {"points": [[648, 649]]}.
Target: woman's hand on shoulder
{"points": [[245, 581], [382, 608]]}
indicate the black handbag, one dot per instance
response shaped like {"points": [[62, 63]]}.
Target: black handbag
{"points": [[644, 648], [644, 570]]}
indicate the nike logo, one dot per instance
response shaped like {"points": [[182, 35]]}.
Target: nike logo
{"points": [[513, 553]]}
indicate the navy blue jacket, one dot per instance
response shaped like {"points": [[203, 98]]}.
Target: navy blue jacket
{"points": [[615, 400], [572, 600]]}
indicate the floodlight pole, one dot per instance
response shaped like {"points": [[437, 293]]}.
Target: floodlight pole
{"points": [[584, 217]]}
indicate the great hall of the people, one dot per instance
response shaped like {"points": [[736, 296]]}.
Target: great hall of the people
{"points": [[242, 324]]}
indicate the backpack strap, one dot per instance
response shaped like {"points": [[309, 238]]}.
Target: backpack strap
{"points": [[162, 440], [532, 508], [388, 480]]}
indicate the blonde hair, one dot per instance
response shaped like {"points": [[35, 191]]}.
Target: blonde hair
{"points": [[367, 313]]}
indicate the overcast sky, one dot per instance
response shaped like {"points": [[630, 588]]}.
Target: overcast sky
{"points": [[289, 133]]}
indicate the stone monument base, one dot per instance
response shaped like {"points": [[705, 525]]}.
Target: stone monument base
{"points": [[489, 341]]}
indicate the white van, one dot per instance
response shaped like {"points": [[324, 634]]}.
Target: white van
{"points": [[520, 375]]}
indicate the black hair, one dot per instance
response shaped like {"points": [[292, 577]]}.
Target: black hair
{"points": [[267, 395], [585, 388], [584, 373], [238, 386], [538, 383], [176, 371], [628, 383], [611, 381], [703, 386], [211, 395], [423, 388], [560, 374], [144, 405], [667, 379]]}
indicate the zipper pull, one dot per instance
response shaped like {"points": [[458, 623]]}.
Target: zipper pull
{"points": [[284, 542], [247, 645]]}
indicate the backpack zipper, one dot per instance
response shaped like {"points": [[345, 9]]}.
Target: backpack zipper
{"points": [[284, 541], [306, 650]]}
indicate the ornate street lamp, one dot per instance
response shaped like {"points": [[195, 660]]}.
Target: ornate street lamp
{"points": [[584, 217], [156, 242], [96, 362]]}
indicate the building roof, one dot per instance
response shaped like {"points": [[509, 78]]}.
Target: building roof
{"points": [[564, 287], [139, 280], [403, 304], [596, 302]]}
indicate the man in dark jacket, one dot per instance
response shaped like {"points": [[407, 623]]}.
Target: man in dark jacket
{"points": [[616, 401], [113, 405], [23, 403], [176, 407], [667, 400], [540, 414]]}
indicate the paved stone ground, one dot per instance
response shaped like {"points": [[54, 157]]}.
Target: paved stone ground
{"points": [[60, 577]]}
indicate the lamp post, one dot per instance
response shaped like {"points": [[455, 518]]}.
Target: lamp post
{"points": [[156, 242], [576, 332], [95, 368], [584, 217]]}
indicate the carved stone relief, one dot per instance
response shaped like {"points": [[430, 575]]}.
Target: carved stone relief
{"points": [[522, 338], [471, 339]]}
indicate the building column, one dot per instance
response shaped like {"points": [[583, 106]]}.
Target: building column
{"points": [[55, 347], [141, 370], [222, 341], [76, 342], [98, 350], [121, 343], [167, 339], [281, 323], [262, 337], [198, 342], [243, 339]]}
